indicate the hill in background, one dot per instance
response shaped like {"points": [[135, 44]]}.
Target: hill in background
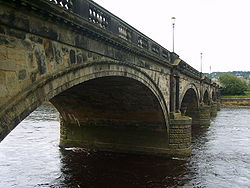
{"points": [[245, 75]]}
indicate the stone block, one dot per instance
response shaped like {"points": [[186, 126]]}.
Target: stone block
{"points": [[201, 116], [17, 56], [3, 53], [40, 59], [180, 134], [3, 92], [22, 74]]}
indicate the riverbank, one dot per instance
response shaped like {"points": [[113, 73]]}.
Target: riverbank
{"points": [[239, 102]]}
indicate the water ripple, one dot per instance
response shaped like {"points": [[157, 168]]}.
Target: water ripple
{"points": [[30, 157]]}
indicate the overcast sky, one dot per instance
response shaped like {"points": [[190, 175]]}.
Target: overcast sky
{"points": [[220, 29]]}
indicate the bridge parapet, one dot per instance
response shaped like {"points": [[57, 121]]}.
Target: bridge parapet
{"points": [[96, 15], [188, 69], [184, 67], [99, 16], [66, 4]]}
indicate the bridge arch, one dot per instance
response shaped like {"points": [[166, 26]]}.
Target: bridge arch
{"points": [[186, 89], [189, 102], [45, 90]]}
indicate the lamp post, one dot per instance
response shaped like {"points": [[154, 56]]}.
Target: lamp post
{"points": [[173, 24]]}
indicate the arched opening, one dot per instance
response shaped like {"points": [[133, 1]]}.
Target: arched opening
{"points": [[189, 102], [111, 113], [206, 98], [101, 95], [117, 99]]}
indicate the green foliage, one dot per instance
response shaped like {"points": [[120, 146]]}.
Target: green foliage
{"points": [[247, 94], [232, 85]]}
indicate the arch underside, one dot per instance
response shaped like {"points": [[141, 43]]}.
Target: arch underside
{"points": [[190, 106], [108, 100], [195, 93]]}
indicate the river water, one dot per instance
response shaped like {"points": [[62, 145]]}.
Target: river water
{"points": [[30, 157]]}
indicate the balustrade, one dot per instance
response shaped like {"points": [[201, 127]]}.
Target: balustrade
{"points": [[66, 4], [104, 19], [98, 17]]}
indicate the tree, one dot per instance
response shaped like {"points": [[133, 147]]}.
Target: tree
{"points": [[231, 85]]}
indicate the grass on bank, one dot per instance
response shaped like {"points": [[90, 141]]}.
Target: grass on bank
{"points": [[246, 94]]}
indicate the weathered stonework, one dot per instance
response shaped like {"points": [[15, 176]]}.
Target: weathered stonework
{"points": [[201, 116], [180, 135], [44, 56], [114, 138]]}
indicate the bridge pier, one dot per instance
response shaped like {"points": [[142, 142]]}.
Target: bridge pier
{"points": [[200, 115], [108, 136], [213, 110], [180, 135]]}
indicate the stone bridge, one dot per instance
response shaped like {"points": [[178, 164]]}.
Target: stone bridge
{"points": [[115, 88]]}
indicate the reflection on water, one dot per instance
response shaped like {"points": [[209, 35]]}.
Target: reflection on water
{"points": [[30, 157], [117, 170]]}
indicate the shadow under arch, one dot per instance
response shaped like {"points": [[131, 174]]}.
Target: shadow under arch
{"points": [[189, 102], [46, 89], [110, 98], [184, 91]]}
